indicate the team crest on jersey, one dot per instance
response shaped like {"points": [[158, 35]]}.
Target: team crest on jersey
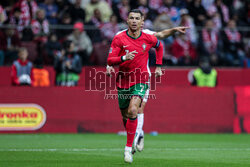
{"points": [[144, 46]]}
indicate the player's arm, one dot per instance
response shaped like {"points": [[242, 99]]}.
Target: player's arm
{"points": [[114, 51], [159, 56], [114, 57], [168, 32]]}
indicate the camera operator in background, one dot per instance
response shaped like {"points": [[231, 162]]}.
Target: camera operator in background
{"points": [[204, 75], [68, 65], [22, 69]]}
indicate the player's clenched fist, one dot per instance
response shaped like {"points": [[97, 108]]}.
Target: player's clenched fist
{"points": [[109, 70], [130, 55], [158, 72]]}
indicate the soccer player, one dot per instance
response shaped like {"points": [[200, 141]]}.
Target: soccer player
{"points": [[129, 50], [139, 139]]}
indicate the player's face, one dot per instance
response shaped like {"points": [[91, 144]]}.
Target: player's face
{"points": [[134, 21]]}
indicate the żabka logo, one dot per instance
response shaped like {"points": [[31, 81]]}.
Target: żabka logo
{"points": [[21, 117]]}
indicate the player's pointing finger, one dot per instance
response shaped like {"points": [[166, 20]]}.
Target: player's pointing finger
{"points": [[185, 27]]}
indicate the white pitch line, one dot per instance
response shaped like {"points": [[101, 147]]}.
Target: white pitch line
{"points": [[119, 149]]}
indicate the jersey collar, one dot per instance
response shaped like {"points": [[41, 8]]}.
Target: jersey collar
{"points": [[133, 37]]}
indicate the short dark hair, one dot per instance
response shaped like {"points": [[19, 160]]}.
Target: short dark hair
{"points": [[136, 11], [66, 44]]}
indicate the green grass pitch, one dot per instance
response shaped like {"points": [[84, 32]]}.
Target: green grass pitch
{"points": [[106, 150]]}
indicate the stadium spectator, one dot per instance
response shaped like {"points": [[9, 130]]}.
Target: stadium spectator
{"points": [[51, 11], [162, 22], [15, 20], [63, 6], [9, 45], [207, 3], [52, 46], [28, 10], [240, 13], [109, 29], [155, 4], [171, 10], [82, 43], [41, 75], [209, 42], [77, 13], [66, 22], [187, 21], [123, 9], [148, 24], [97, 19], [40, 26], [183, 50], [146, 10], [197, 12], [21, 70], [96, 22], [233, 45], [219, 11], [103, 6], [40, 29], [3, 15], [67, 65], [204, 75]]}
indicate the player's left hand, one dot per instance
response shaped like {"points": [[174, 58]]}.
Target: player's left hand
{"points": [[109, 70], [158, 72], [181, 29]]}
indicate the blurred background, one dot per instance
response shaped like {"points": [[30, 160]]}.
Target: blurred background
{"points": [[48, 48]]}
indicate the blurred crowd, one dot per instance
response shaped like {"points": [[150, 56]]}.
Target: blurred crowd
{"points": [[219, 30]]}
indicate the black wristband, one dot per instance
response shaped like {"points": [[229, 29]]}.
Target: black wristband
{"points": [[122, 59]]}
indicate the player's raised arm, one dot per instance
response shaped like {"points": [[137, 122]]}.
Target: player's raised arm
{"points": [[168, 32]]}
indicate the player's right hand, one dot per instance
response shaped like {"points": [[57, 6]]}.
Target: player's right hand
{"points": [[109, 70], [130, 55]]}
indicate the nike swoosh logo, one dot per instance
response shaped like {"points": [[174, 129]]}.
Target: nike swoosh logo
{"points": [[125, 46]]}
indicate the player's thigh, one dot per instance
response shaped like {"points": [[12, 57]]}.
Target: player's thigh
{"points": [[137, 92], [123, 99]]}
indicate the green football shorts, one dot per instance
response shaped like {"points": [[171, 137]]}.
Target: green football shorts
{"points": [[124, 95]]}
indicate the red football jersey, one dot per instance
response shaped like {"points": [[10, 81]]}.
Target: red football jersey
{"points": [[133, 71]]}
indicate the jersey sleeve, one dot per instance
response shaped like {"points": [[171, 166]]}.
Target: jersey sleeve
{"points": [[147, 31], [159, 50], [114, 57]]}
